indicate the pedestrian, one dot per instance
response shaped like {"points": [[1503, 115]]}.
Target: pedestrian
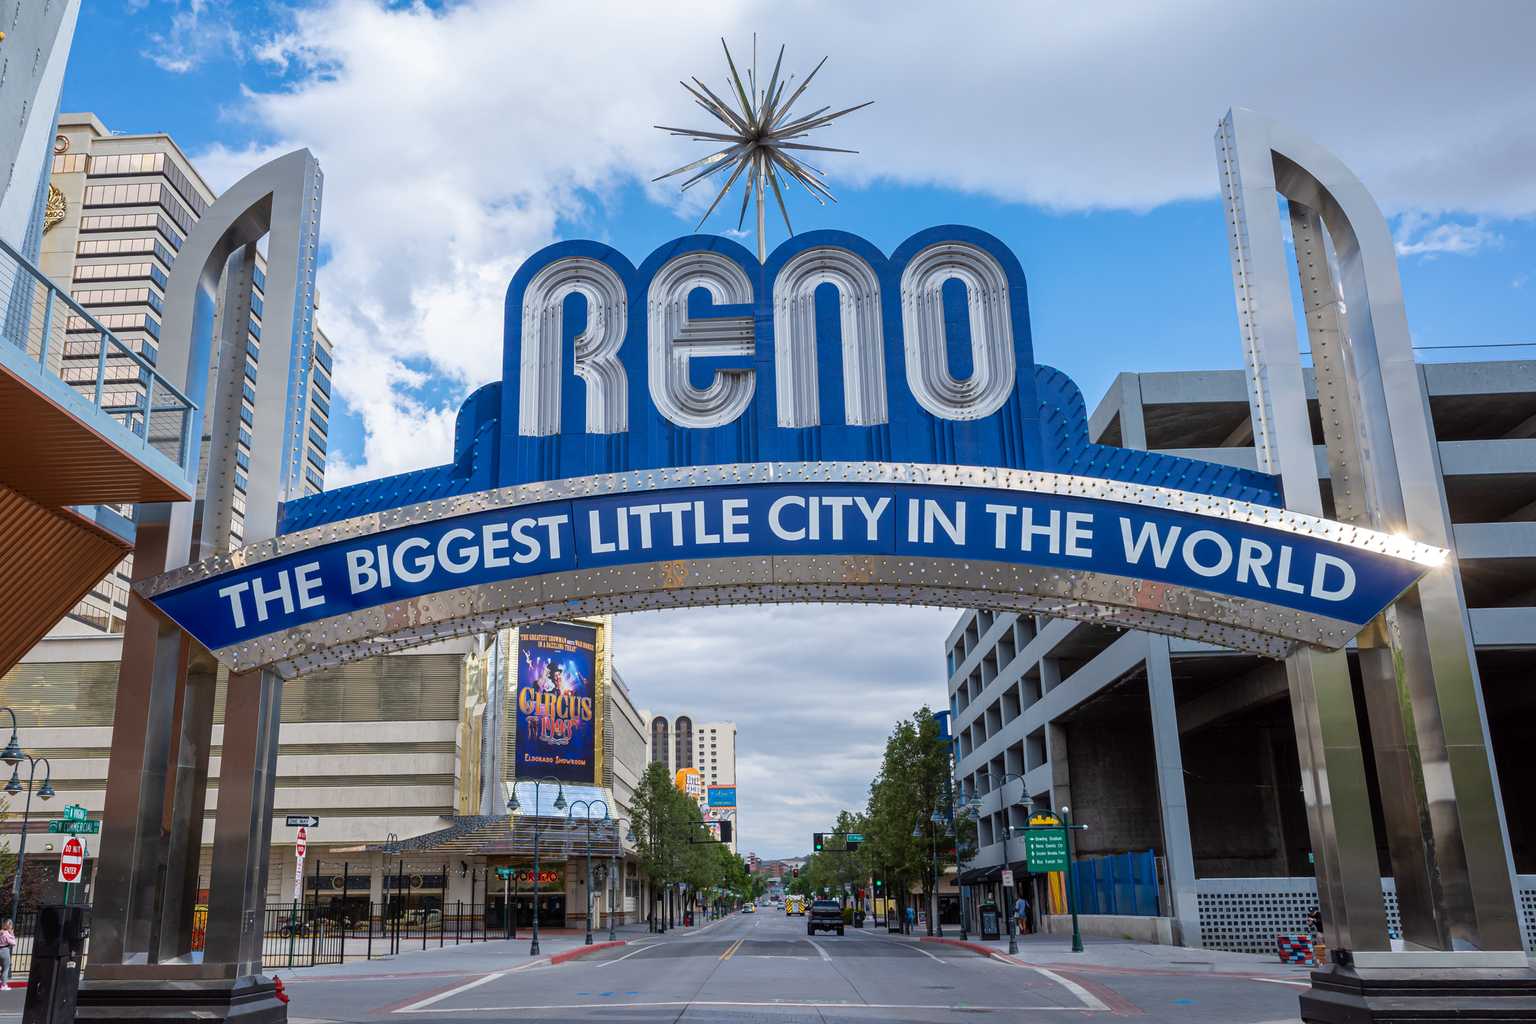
{"points": [[7, 946], [1021, 913], [911, 918]]}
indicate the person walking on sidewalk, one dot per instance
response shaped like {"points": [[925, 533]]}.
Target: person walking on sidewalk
{"points": [[911, 918], [7, 947], [1021, 914]]}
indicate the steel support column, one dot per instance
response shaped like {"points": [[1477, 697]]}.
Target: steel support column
{"points": [[1178, 851]]}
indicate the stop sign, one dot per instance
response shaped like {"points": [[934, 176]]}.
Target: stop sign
{"points": [[301, 843], [72, 860]]}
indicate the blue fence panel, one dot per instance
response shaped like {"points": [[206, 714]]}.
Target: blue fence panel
{"points": [[1119, 883]]}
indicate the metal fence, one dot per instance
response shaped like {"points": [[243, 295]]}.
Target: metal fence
{"points": [[306, 935], [46, 326]]}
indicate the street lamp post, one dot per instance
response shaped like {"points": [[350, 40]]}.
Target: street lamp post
{"points": [[1066, 822], [512, 808], [616, 883], [586, 807], [13, 787], [1008, 895]]}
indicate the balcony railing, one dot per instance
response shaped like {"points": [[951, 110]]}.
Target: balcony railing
{"points": [[105, 372]]}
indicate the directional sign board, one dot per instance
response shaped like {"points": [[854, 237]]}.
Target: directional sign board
{"points": [[1045, 847], [72, 860], [74, 812], [302, 821], [74, 827]]}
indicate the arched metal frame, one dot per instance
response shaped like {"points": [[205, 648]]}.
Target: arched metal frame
{"points": [[1449, 851], [147, 879]]}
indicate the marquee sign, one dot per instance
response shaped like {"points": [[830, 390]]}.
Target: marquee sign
{"points": [[833, 424]]}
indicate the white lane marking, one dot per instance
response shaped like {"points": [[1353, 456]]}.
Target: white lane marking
{"points": [[745, 1005], [1283, 981], [823, 952], [453, 992], [1089, 1000], [626, 956], [914, 946]]}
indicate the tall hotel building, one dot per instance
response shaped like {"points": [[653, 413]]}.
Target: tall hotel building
{"points": [[708, 747], [118, 209]]}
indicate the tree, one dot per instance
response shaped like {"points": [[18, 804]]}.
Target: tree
{"points": [[914, 783]]}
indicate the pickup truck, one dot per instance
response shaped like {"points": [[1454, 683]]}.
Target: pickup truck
{"points": [[825, 915]]}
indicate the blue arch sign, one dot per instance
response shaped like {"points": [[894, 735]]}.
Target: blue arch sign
{"points": [[833, 424]]}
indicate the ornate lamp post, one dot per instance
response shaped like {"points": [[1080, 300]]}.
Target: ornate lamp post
{"points": [[13, 787], [615, 881], [586, 808], [512, 808], [1008, 830]]}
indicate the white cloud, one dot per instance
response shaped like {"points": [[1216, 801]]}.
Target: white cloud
{"points": [[198, 31], [455, 141], [813, 690], [1418, 234]]}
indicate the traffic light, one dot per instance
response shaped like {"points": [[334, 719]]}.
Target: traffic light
{"points": [[817, 840], [725, 831], [879, 884], [796, 871]]}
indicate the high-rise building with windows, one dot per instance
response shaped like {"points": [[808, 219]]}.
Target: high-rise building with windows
{"points": [[120, 206], [34, 48], [707, 747]]}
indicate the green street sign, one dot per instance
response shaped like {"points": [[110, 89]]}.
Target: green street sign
{"points": [[74, 812], [854, 837], [1045, 848], [503, 872], [74, 827]]}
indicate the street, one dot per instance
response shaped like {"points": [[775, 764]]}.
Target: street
{"points": [[763, 967]]}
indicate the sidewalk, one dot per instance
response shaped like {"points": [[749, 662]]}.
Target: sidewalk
{"points": [[478, 957]]}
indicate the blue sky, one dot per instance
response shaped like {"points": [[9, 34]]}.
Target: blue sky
{"points": [[457, 138]]}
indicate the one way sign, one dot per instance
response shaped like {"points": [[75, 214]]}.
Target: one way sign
{"points": [[302, 821]]}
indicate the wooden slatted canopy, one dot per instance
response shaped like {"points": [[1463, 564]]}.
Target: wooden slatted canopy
{"points": [[49, 559], [57, 458]]}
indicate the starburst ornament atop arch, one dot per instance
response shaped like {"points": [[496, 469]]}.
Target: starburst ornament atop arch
{"points": [[759, 132]]}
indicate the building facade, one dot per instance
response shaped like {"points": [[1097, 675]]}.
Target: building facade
{"points": [[708, 748], [390, 753], [1188, 750], [121, 205]]}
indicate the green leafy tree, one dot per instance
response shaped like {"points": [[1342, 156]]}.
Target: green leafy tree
{"points": [[913, 783]]}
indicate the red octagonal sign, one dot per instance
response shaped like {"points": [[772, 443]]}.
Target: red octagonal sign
{"points": [[72, 860]]}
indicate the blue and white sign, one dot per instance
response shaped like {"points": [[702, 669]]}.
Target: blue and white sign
{"points": [[722, 796], [834, 424]]}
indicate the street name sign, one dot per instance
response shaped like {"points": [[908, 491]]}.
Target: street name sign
{"points": [[302, 821], [74, 812], [74, 827], [72, 860], [503, 872], [1045, 848]]}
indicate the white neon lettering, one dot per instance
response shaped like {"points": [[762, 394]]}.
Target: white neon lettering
{"points": [[776, 510], [1000, 514], [1252, 557], [421, 569], [837, 504], [1223, 551], [493, 538], [595, 530], [644, 513], [1283, 579], [1162, 547], [528, 545], [309, 583], [701, 534], [552, 526], [263, 597], [1051, 530], [236, 609], [1079, 529], [733, 520], [872, 515], [933, 515], [1320, 588], [361, 575], [676, 509]]}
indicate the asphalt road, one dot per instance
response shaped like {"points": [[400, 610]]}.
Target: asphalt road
{"points": [[763, 967]]}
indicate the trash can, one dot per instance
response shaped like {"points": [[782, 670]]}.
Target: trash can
{"points": [[53, 984], [990, 928], [858, 919]]}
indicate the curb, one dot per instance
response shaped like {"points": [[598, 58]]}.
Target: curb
{"points": [[974, 947], [580, 951]]}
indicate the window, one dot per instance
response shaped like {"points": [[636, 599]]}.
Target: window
{"points": [[323, 358], [140, 194], [132, 222], [119, 272], [150, 163]]}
